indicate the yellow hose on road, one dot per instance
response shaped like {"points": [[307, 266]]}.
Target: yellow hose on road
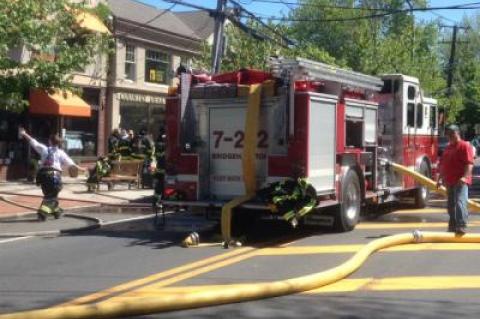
{"points": [[242, 293], [248, 292], [430, 184]]}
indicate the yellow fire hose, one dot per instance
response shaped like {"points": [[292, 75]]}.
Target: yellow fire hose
{"points": [[239, 293], [252, 120], [430, 184], [248, 292]]}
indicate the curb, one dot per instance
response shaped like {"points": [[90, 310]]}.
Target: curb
{"points": [[99, 223]]}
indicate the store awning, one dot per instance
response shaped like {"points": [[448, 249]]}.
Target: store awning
{"points": [[58, 103], [90, 22]]}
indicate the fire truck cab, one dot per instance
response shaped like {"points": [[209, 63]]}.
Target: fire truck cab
{"points": [[336, 128]]}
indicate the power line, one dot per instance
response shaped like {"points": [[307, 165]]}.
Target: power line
{"points": [[316, 5], [268, 27], [364, 17], [459, 6], [146, 23]]}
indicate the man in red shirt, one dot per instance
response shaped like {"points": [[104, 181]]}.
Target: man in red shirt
{"points": [[456, 166]]}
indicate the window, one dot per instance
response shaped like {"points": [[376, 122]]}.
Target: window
{"points": [[156, 66], [411, 115], [433, 116], [419, 115], [130, 62]]}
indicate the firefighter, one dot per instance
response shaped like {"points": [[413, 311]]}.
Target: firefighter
{"points": [[144, 148], [102, 168], [160, 147], [49, 175], [125, 144], [113, 145]]}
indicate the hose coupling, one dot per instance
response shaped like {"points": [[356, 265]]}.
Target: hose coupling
{"points": [[417, 236]]}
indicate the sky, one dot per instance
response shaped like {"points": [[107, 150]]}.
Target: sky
{"points": [[269, 9]]}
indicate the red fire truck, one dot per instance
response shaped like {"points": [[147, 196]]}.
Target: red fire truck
{"points": [[332, 126]]}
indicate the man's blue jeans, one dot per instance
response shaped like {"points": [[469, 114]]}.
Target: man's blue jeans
{"points": [[457, 205]]}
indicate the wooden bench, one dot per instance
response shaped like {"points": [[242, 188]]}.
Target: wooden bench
{"points": [[124, 172]]}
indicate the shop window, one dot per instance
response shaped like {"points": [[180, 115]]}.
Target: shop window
{"points": [[130, 62], [138, 116], [81, 135], [156, 66]]}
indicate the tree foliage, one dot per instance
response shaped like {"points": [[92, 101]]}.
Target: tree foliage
{"points": [[51, 44], [466, 75]]}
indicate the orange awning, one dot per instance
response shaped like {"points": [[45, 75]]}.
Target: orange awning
{"points": [[58, 103]]}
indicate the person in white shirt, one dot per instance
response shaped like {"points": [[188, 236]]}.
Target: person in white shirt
{"points": [[49, 176]]}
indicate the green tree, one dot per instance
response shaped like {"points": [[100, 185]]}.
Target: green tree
{"points": [[245, 51], [48, 30], [466, 79]]}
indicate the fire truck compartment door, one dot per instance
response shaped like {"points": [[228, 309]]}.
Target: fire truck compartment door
{"points": [[322, 141], [226, 142]]}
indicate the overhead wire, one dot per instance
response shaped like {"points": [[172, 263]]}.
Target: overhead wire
{"points": [[265, 25], [385, 13]]}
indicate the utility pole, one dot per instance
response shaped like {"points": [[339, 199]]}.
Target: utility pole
{"points": [[451, 61], [410, 4], [218, 40]]}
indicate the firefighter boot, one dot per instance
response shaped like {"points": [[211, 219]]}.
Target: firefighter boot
{"points": [[57, 211], [44, 211]]}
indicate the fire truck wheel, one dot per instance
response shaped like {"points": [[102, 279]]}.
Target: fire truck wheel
{"points": [[348, 214], [422, 193]]}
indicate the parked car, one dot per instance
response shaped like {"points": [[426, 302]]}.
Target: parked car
{"points": [[442, 144], [476, 144]]}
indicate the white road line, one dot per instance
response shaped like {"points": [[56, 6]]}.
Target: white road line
{"points": [[14, 239]]}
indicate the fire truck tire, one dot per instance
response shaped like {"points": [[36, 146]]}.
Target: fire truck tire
{"points": [[422, 194], [348, 214]]}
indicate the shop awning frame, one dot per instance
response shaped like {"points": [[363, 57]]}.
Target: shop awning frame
{"points": [[90, 22], [58, 102]]}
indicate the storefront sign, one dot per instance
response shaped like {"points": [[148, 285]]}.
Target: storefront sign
{"points": [[141, 98]]}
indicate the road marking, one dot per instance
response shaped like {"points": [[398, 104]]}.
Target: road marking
{"points": [[153, 278], [420, 211], [157, 285], [339, 249], [159, 288], [406, 283], [401, 283], [396, 225], [14, 239]]}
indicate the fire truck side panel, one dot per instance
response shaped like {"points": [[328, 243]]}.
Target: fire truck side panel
{"points": [[182, 168], [340, 127], [322, 142], [294, 164]]}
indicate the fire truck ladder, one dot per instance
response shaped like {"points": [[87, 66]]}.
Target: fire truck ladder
{"points": [[301, 68]]}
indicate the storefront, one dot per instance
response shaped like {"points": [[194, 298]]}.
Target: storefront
{"points": [[138, 111], [75, 118], [13, 153]]}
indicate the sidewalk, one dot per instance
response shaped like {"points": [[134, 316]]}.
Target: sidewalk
{"points": [[21, 199]]}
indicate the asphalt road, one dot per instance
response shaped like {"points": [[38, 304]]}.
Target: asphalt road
{"points": [[418, 281]]}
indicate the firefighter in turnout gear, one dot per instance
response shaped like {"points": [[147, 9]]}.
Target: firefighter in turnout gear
{"points": [[49, 176], [102, 168], [160, 147], [144, 148]]}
